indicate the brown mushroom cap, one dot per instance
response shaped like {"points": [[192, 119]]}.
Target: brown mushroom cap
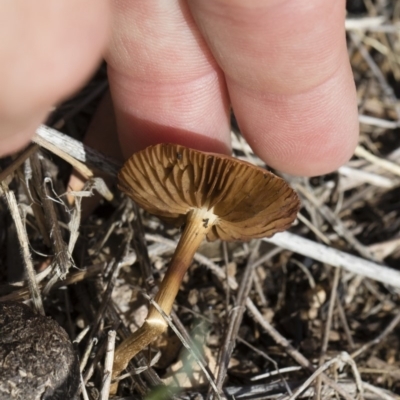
{"points": [[216, 196], [170, 180]]}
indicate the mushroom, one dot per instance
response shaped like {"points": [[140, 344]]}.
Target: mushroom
{"points": [[213, 196]]}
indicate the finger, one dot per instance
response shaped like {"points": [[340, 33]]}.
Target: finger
{"points": [[165, 85], [49, 50], [288, 77]]}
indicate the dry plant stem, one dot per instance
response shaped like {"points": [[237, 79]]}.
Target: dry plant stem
{"points": [[18, 161], [101, 348], [263, 391], [226, 261], [197, 226], [325, 341], [370, 23], [86, 354], [384, 164], [379, 122], [106, 295], [178, 326], [190, 347], [341, 358], [78, 155], [313, 228], [392, 325], [78, 276], [236, 317], [93, 270], [23, 241], [280, 340], [60, 248], [309, 380], [383, 394], [32, 185], [141, 248], [387, 89], [79, 166], [345, 324], [52, 139], [336, 223], [83, 390], [108, 363], [336, 258]]}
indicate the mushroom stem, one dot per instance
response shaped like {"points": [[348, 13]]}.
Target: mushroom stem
{"points": [[198, 224]]}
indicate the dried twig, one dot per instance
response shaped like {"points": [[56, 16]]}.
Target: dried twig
{"points": [[32, 148], [236, 318], [24, 243], [383, 394], [108, 364], [82, 388], [328, 325], [43, 186], [382, 163], [336, 258], [58, 150], [317, 373], [86, 354], [190, 348], [55, 140], [279, 339], [344, 322], [336, 223], [389, 329]]}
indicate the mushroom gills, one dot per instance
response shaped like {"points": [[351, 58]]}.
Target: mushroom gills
{"points": [[216, 197]]}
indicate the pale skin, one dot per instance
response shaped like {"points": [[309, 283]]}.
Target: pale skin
{"points": [[175, 67]]}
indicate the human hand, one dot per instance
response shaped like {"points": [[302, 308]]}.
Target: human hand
{"points": [[48, 49], [282, 65]]}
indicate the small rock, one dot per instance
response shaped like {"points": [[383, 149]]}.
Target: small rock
{"points": [[37, 359]]}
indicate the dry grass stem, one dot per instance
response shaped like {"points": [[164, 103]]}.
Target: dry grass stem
{"points": [[78, 165], [190, 347], [108, 363], [336, 258], [328, 325], [24, 243], [389, 329], [297, 356], [75, 150], [18, 161], [384, 164], [236, 316]]}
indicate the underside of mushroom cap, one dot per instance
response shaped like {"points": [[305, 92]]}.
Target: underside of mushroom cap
{"points": [[169, 180]]}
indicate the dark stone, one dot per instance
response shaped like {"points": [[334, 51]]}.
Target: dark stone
{"points": [[37, 359]]}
